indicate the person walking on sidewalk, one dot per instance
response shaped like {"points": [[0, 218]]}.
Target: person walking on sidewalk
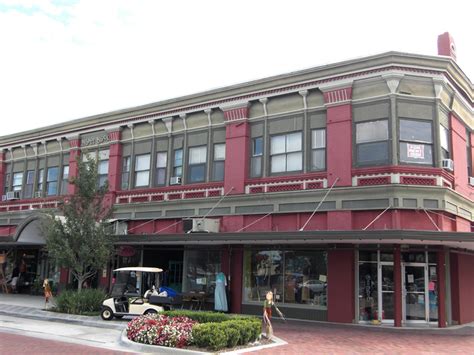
{"points": [[47, 293]]}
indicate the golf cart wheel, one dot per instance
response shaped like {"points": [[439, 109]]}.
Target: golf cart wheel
{"points": [[151, 311], [107, 313]]}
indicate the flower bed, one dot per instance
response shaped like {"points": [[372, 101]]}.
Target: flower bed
{"points": [[208, 330], [157, 329]]}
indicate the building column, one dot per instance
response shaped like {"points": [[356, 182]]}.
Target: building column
{"points": [[115, 160], [74, 153], [340, 286], [397, 290], [236, 276], [2, 171], [441, 287], [459, 154], [236, 147], [338, 134]]}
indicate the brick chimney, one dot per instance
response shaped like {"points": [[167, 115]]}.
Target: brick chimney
{"points": [[446, 45]]}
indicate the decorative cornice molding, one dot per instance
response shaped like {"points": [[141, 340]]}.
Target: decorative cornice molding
{"points": [[393, 80], [236, 111]]}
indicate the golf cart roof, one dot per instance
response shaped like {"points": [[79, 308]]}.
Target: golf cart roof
{"points": [[142, 269]]}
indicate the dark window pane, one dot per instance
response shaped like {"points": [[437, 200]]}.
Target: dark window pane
{"points": [[411, 130], [197, 173], [318, 160], [416, 153], [365, 255], [372, 153], [218, 172], [257, 148], [160, 177]]}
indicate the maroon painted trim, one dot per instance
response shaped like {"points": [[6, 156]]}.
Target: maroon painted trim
{"points": [[177, 189], [397, 291], [403, 169], [441, 288], [286, 178]]}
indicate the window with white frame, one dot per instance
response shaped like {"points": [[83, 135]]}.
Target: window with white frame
{"points": [[103, 167], [219, 162], [416, 141], [372, 147], [286, 153], [65, 181], [178, 163], [160, 172], [318, 149], [142, 170], [444, 141], [52, 181], [197, 164], [40, 183], [17, 181], [30, 179], [125, 173], [256, 159]]}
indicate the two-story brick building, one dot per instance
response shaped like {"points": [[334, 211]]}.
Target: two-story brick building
{"points": [[347, 189]]}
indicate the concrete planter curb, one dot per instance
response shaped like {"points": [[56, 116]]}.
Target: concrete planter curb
{"points": [[144, 348]]}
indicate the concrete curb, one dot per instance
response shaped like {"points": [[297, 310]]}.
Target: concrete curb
{"points": [[144, 348], [52, 318]]}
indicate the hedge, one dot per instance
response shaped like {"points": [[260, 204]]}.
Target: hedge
{"points": [[86, 302], [217, 331]]}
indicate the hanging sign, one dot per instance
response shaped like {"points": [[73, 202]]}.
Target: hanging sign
{"points": [[126, 250], [416, 151]]}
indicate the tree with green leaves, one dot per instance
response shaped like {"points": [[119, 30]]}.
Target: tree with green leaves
{"points": [[80, 237]]}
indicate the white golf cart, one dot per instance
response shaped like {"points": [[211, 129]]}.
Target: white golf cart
{"points": [[131, 293]]}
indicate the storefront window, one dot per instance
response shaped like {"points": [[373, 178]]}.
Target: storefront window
{"points": [[295, 277], [368, 295], [201, 268]]}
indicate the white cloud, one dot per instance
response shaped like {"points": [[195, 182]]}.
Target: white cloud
{"points": [[69, 59]]}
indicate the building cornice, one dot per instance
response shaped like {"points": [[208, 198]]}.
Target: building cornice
{"points": [[346, 71]]}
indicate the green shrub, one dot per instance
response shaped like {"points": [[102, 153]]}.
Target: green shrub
{"points": [[232, 334], [201, 317], [86, 301], [209, 335]]}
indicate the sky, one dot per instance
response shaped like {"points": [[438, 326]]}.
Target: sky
{"points": [[68, 59]]}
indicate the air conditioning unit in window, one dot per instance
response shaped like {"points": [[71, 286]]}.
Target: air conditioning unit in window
{"points": [[13, 195], [175, 180], [471, 180], [201, 225], [38, 194], [447, 164]]}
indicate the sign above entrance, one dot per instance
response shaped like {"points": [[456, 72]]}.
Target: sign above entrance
{"points": [[126, 251]]}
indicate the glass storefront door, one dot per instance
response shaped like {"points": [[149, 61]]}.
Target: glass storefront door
{"points": [[415, 295]]}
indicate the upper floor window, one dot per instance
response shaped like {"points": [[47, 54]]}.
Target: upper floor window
{"points": [[52, 181], [126, 173], [416, 142], [160, 173], [30, 178], [178, 163], [372, 142], [285, 153], [444, 141], [318, 149], [469, 153], [6, 185], [65, 182], [39, 186], [218, 163], [256, 159], [197, 164], [17, 181], [142, 170], [103, 167]]}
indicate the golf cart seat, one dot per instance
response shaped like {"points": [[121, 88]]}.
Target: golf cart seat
{"points": [[171, 302]]}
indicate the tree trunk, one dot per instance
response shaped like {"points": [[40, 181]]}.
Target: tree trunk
{"points": [[80, 281]]}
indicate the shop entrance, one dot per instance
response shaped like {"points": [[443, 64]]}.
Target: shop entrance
{"points": [[171, 261], [376, 287], [419, 302]]}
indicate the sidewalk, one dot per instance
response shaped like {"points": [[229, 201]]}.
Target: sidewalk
{"points": [[32, 307]]}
